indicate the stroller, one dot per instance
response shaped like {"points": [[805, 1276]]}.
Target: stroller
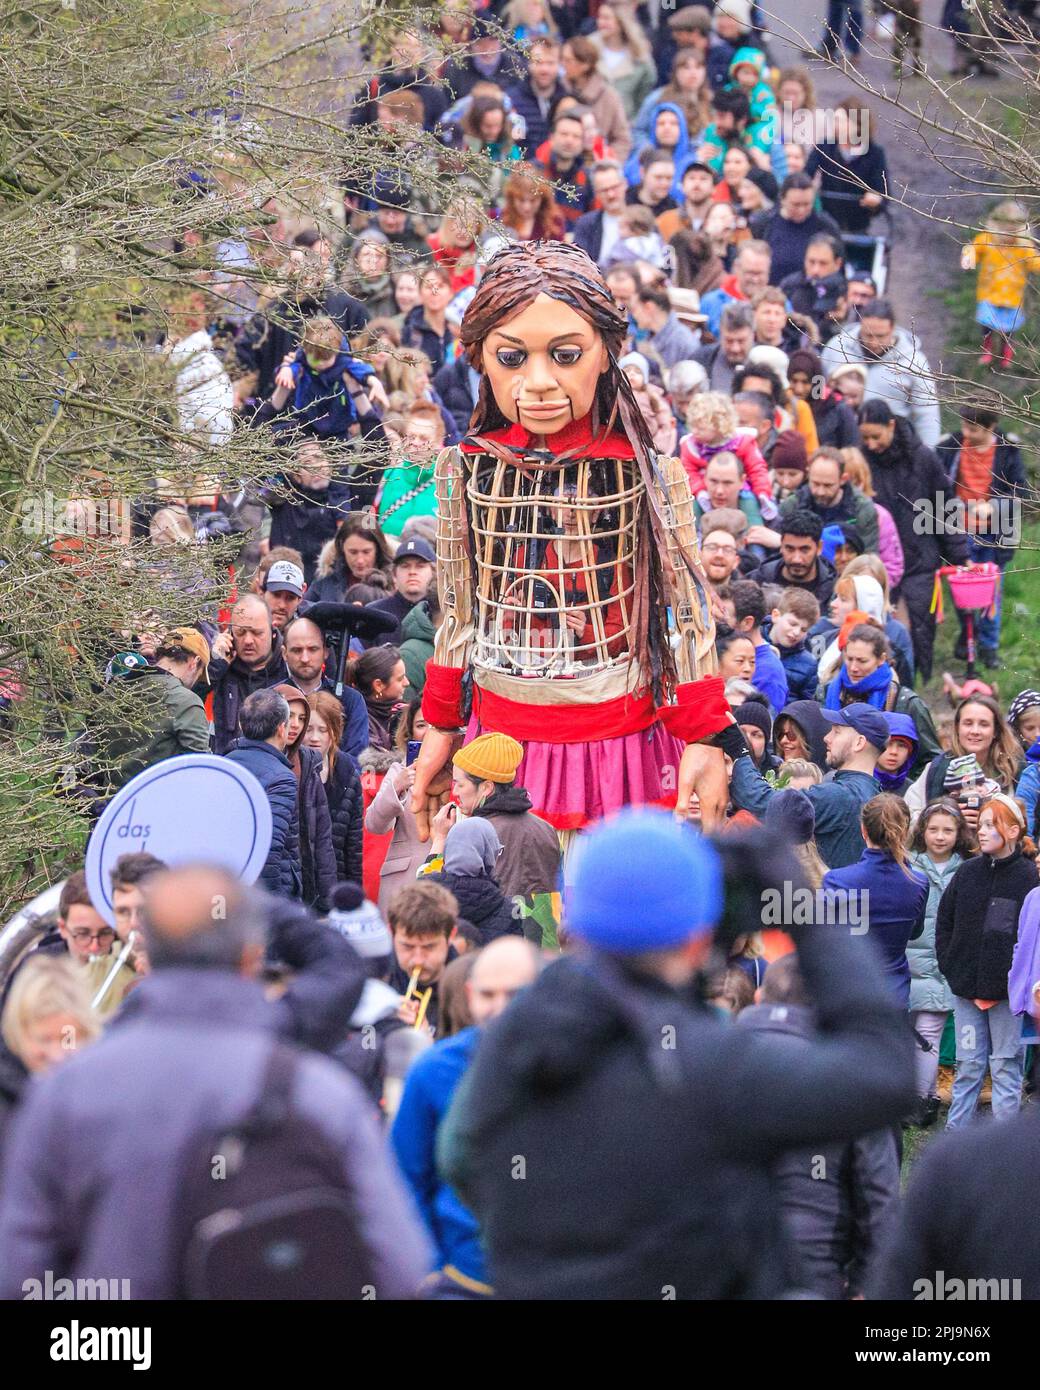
{"points": [[974, 590], [862, 251]]}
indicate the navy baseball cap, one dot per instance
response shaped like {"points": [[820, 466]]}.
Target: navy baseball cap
{"points": [[415, 549], [869, 722]]}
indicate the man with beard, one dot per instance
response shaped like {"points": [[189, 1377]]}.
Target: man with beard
{"points": [[800, 564], [245, 659], [306, 655]]}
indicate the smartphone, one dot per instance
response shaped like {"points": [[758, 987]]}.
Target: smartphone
{"points": [[414, 744]]}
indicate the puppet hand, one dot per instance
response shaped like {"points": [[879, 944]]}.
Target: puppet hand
{"points": [[703, 770]]}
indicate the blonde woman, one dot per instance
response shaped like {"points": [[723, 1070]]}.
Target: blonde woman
{"points": [[625, 59], [46, 1020]]}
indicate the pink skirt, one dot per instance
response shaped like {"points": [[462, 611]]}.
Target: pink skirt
{"points": [[573, 784]]}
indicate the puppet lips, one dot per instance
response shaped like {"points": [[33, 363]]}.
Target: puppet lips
{"points": [[542, 407]]}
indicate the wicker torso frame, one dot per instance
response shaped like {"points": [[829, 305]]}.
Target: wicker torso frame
{"points": [[518, 548]]}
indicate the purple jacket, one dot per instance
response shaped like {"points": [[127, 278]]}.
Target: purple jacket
{"points": [[890, 547], [92, 1172], [1025, 963]]}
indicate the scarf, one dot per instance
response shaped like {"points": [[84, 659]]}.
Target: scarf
{"points": [[871, 690], [893, 781]]}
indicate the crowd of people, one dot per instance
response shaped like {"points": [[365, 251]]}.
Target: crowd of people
{"points": [[391, 934]]}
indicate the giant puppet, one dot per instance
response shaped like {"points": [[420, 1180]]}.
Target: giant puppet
{"points": [[577, 617]]}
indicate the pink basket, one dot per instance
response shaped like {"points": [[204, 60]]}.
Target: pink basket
{"points": [[976, 586]]}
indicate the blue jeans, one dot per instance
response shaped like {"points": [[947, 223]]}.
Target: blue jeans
{"points": [[986, 1035], [844, 21], [987, 628]]}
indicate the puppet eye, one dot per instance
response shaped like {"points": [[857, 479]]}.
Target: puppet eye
{"points": [[511, 357], [566, 356]]}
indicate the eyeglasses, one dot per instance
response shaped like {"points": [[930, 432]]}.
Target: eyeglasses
{"points": [[104, 937], [718, 549]]}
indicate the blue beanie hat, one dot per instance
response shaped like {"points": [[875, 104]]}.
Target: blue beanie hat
{"points": [[643, 882], [791, 813]]}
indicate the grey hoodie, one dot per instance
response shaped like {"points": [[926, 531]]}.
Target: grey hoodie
{"points": [[901, 377]]}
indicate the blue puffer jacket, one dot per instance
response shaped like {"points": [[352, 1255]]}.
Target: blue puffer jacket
{"points": [[281, 873], [928, 988], [1028, 789]]}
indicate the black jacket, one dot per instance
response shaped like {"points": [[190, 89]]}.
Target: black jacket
{"points": [[304, 520], [966, 1214], [317, 851], [14, 1077], [327, 978], [647, 1167], [483, 903], [908, 472], [233, 684], [588, 233], [281, 874], [837, 1200], [452, 385], [417, 333], [976, 926], [822, 587], [839, 175], [835, 421], [343, 790]]}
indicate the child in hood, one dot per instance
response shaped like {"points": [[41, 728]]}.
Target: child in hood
{"points": [[714, 430], [747, 74], [893, 767], [654, 408]]}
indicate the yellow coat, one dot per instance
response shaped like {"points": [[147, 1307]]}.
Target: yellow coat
{"points": [[1002, 271]]}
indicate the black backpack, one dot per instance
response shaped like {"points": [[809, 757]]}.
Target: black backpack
{"points": [[266, 1210]]}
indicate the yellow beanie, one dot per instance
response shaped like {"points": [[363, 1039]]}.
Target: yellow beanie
{"points": [[491, 757]]}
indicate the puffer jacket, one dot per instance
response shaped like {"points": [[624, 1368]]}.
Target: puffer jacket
{"points": [[417, 648], [282, 873], [317, 856], [929, 992], [483, 903], [901, 377], [393, 850], [343, 790]]}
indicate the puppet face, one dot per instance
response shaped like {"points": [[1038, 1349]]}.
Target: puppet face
{"points": [[543, 366]]}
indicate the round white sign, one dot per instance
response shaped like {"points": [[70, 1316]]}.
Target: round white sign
{"points": [[197, 808]]}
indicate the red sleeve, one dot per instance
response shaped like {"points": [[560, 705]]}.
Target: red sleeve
{"points": [[756, 470], [700, 709], [442, 696], [693, 463]]}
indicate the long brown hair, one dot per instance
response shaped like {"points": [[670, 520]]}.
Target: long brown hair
{"points": [[329, 710], [548, 222], [1005, 752], [886, 821], [513, 280], [943, 806]]}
